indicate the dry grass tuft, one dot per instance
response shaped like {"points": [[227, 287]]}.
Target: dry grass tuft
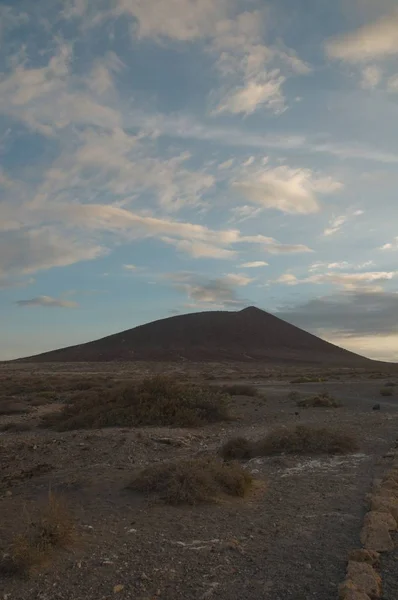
{"points": [[34, 549], [238, 448], [192, 481], [156, 401], [240, 389], [302, 439], [320, 400], [386, 391]]}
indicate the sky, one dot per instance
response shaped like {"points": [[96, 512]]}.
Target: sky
{"points": [[159, 157]]}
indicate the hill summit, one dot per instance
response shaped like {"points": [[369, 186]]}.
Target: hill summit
{"points": [[250, 334]]}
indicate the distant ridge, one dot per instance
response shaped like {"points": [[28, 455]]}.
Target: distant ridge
{"points": [[247, 335]]}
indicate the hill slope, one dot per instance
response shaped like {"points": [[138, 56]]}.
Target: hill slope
{"points": [[250, 334]]}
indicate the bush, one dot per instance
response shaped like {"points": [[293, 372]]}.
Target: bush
{"points": [[293, 396], [32, 550], [192, 481], [386, 391], [15, 427], [8, 407], [240, 389], [156, 401], [321, 400], [302, 439], [305, 379], [238, 448]]}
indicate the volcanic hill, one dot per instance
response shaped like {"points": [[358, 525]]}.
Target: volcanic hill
{"points": [[249, 334]]}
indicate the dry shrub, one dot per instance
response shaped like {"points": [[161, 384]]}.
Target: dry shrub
{"points": [[34, 549], [240, 389], [15, 427], [293, 396], [307, 379], [156, 401], [320, 400], [386, 391], [192, 481], [9, 407], [302, 439], [238, 448]]}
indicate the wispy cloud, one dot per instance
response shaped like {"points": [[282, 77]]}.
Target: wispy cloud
{"points": [[47, 301], [201, 291], [337, 222], [373, 41], [287, 190], [254, 264], [390, 245], [349, 281]]}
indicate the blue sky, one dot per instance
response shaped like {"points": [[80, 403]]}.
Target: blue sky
{"points": [[167, 156]]}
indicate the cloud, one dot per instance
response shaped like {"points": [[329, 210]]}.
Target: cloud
{"points": [[390, 245], [255, 264], [200, 249], [371, 77], [340, 265], [348, 281], [392, 84], [247, 99], [376, 346], [285, 189], [130, 267], [47, 301], [335, 225], [337, 222], [180, 20], [373, 41], [219, 292], [49, 98], [350, 313], [188, 128], [27, 252]]}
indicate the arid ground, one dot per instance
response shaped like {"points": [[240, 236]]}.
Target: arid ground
{"points": [[287, 539]]}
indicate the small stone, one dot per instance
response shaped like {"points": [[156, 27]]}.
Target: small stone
{"points": [[8, 493], [118, 588]]}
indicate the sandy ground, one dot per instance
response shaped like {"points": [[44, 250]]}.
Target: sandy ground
{"points": [[289, 540]]}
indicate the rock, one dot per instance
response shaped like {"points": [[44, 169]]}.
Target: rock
{"points": [[349, 591], [118, 588], [375, 535], [388, 504], [365, 578], [8, 493], [376, 518], [363, 555], [376, 406]]}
